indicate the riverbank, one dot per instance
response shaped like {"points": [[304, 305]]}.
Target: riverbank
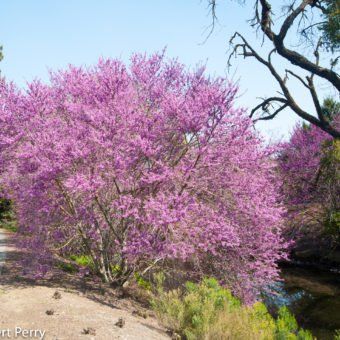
{"points": [[312, 295]]}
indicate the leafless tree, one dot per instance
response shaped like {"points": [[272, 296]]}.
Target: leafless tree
{"points": [[294, 14]]}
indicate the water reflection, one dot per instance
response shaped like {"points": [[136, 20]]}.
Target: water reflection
{"points": [[313, 296]]}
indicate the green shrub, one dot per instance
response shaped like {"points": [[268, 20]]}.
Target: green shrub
{"points": [[142, 283], [210, 312], [83, 261], [67, 267], [7, 217], [5, 207]]}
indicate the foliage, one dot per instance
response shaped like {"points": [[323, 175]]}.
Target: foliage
{"points": [[142, 165], [5, 207], [79, 263], [67, 267], [331, 26], [309, 165], [331, 108], [142, 282], [7, 219], [82, 260], [209, 311], [337, 335]]}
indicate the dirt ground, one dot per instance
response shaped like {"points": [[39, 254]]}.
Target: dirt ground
{"points": [[85, 310]]}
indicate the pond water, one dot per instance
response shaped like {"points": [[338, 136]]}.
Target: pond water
{"points": [[313, 296]]}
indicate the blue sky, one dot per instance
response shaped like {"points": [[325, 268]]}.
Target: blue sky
{"points": [[39, 35]]}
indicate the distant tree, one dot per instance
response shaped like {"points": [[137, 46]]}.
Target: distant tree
{"points": [[309, 164], [330, 26], [317, 23], [4, 204], [330, 108]]}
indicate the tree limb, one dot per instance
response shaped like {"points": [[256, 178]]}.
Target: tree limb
{"points": [[248, 51], [292, 56]]}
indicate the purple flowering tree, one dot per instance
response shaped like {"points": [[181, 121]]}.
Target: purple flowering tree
{"points": [[309, 166], [138, 166]]}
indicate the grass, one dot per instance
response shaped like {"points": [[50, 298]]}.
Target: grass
{"points": [[8, 222]]}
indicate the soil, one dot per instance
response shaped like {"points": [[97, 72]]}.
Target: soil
{"points": [[84, 309]]}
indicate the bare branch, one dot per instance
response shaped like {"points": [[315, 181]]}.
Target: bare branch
{"points": [[290, 19], [212, 5], [293, 14], [274, 114], [288, 100], [297, 77], [265, 105], [292, 56]]}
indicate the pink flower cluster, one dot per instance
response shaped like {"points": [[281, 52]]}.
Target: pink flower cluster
{"points": [[138, 165]]}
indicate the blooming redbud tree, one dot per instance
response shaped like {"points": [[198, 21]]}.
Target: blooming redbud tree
{"points": [[300, 162], [142, 165], [309, 164]]}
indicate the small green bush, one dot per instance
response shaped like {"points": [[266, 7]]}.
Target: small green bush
{"points": [[7, 218], [142, 283], [83, 261], [67, 267], [5, 207], [207, 311]]}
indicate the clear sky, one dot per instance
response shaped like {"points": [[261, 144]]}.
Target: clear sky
{"points": [[39, 35]]}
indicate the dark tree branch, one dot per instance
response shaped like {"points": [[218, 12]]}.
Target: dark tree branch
{"points": [[311, 86], [318, 5], [297, 77], [311, 26], [274, 114], [265, 105], [290, 19], [294, 14], [246, 50], [292, 56]]}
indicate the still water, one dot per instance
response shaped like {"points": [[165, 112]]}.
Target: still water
{"points": [[313, 296]]}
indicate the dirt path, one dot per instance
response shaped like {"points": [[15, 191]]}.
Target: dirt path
{"points": [[28, 309]]}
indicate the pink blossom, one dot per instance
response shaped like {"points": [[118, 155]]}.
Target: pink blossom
{"points": [[132, 165]]}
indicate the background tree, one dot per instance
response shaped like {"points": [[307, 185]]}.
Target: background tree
{"points": [[4, 204], [330, 108], [317, 25], [309, 164], [330, 26]]}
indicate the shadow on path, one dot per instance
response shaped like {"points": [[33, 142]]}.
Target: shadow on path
{"points": [[12, 276]]}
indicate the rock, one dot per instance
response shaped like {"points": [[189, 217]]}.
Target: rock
{"points": [[56, 295], [120, 323], [140, 313], [173, 335], [89, 331]]}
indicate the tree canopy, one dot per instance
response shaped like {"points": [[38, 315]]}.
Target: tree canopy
{"points": [[142, 165]]}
